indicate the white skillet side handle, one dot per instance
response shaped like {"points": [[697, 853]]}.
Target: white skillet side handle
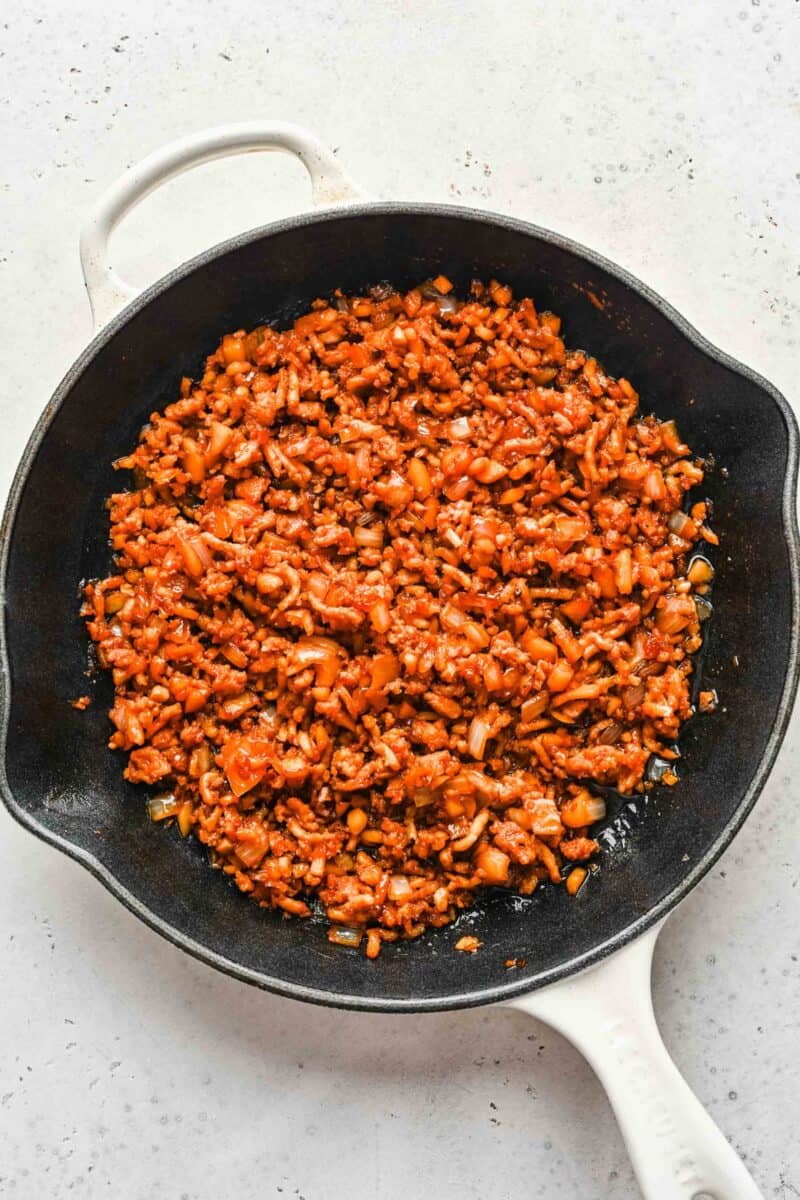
{"points": [[108, 293], [677, 1151]]}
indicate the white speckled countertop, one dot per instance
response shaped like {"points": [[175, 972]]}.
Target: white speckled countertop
{"points": [[664, 135]]}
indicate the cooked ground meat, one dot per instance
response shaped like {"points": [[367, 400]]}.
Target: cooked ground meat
{"points": [[392, 590]]}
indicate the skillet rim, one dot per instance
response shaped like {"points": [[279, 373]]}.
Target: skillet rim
{"points": [[507, 990]]}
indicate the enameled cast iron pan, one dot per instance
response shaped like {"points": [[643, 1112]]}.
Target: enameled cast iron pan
{"points": [[60, 780]]}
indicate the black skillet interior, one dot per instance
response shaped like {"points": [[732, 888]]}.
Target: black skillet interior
{"points": [[68, 787]]}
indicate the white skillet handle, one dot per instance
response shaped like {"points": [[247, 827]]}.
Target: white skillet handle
{"points": [[677, 1151], [107, 292]]}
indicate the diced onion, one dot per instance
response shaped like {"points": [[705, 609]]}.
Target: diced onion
{"points": [[545, 819], [476, 635], [682, 525], [575, 880], [385, 668], [484, 527], [493, 864], [488, 471], [371, 536], [419, 478], [567, 530], [356, 430], [452, 617], [657, 768], [161, 807], [704, 608], [235, 706], [459, 428], [674, 614], [700, 571], [444, 299], [345, 935], [396, 492], [654, 484], [582, 809], [492, 675], [477, 736], [534, 707], [220, 437], [195, 553], [595, 808], [201, 761], [185, 818], [309, 651], [538, 647], [380, 616], [399, 888]]}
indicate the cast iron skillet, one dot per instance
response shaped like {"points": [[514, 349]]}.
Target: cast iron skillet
{"points": [[60, 780]]}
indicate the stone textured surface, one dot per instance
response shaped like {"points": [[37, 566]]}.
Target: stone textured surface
{"points": [[664, 135]]}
